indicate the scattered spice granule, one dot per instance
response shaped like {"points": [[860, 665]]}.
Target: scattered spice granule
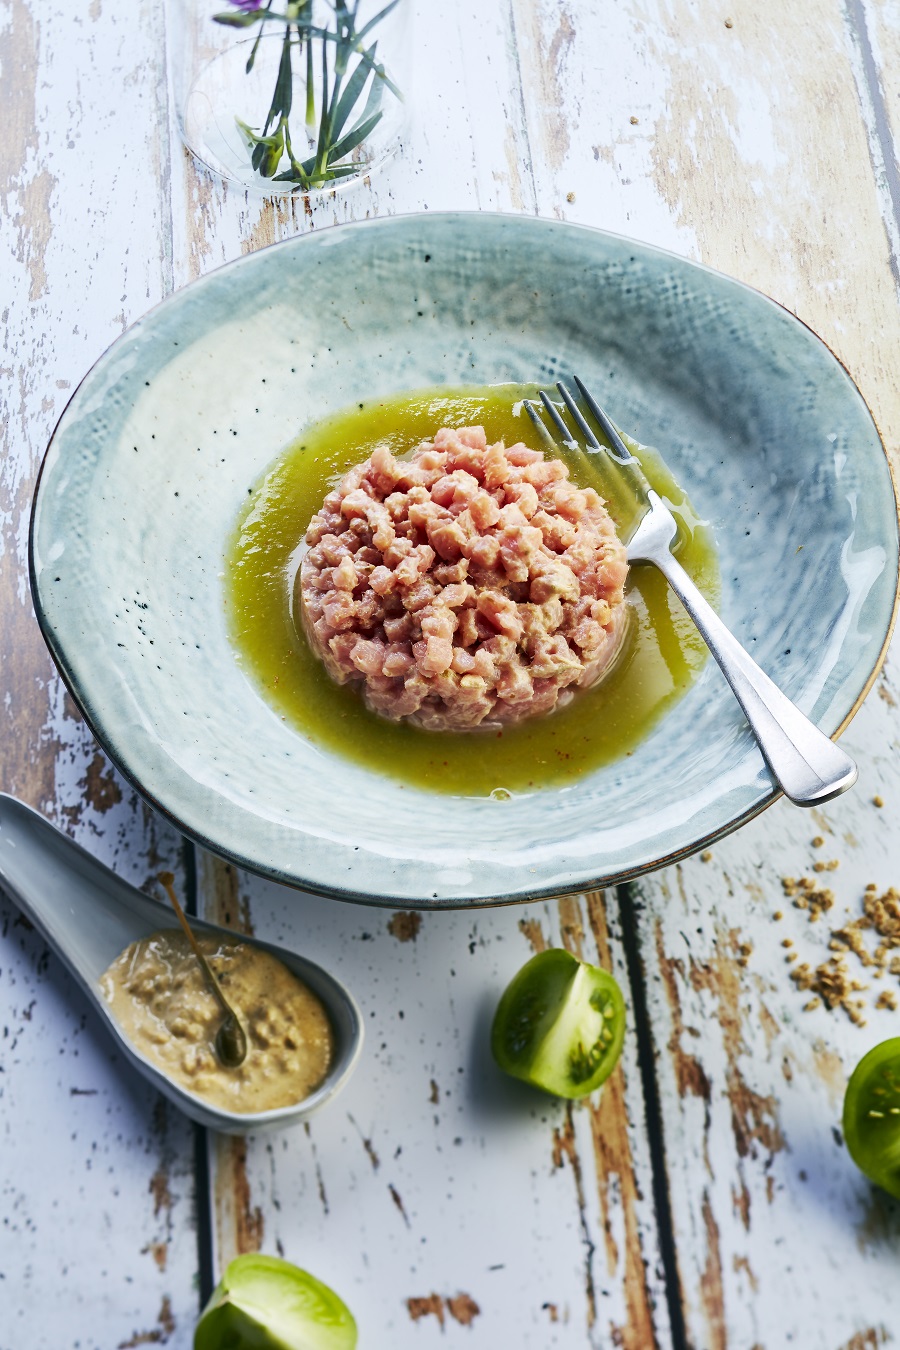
{"points": [[818, 841], [814, 1002], [570, 196], [850, 939], [832, 981], [877, 801], [729, 23], [778, 914], [706, 856], [807, 894], [831, 866], [834, 985], [633, 121]]}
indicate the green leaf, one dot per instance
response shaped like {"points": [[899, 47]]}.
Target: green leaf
{"points": [[382, 75], [345, 170], [354, 137], [284, 86], [325, 35], [351, 95], [376, 19], [255, 48], [373, 102], [321, 160]]}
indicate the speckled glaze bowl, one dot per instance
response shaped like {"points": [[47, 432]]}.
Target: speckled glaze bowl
{"points": [[155, 454]]}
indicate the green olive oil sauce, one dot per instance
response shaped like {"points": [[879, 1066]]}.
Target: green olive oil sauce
{"points": [[662, 656]]}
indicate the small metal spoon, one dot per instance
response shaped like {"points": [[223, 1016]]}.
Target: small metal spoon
{"points": [[88, 915], [230, 1041]]}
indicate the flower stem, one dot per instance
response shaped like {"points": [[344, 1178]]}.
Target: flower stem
{"points": [[310, 90]]}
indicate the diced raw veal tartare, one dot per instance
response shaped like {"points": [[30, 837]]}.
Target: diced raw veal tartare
{"points": [[470, 585]]}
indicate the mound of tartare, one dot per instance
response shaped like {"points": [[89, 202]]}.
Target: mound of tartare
{"points": [[471, 585]]}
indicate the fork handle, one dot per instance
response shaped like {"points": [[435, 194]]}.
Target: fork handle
{"points": [[808, 767]]}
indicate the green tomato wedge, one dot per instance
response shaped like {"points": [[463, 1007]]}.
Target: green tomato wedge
{"points": [[559, 1025], [264, 1303], [872, 1115]]}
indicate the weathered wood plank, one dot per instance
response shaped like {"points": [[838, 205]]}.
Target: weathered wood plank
{"points": [[770, 1213], [435, 1190], [770, 1217], [96, 1174], [451, 1164], [744, 146], [754, 148]]}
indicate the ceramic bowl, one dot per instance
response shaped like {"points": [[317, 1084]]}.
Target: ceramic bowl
{"points": [[153, 457]]}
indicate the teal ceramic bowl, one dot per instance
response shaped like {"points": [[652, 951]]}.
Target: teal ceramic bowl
{"points": [[153, 457]]}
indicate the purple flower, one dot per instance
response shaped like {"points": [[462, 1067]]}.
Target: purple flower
{"points": [[246, 5]]}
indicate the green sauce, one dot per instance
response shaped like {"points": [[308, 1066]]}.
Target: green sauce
{"points": [[662, 658]]}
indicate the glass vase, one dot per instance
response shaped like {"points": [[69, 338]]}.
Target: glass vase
{"points": [[290, 96]]}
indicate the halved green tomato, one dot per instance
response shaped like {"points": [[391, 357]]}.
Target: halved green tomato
{"points": [[872, 1115], [263, 1303], [559, 1025]]}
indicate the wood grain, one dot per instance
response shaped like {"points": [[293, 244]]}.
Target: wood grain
{"points": [[97, 1173], [435, 1179]]}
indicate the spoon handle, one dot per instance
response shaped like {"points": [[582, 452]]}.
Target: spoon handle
{"points": [[167, 880], [809, 768]]}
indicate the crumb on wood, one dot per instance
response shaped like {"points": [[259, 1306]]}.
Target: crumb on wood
{"points": [[873, 938], [834, 984], [432, 1305], [463, 1309], [405, 925], [807, 894]]}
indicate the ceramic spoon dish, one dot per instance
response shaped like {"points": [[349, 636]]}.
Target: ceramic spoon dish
{"points": [[88, 915]]}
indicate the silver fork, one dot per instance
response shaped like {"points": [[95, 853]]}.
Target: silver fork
{"points": [[808, 767]]}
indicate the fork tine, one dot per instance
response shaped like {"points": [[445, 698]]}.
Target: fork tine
{"points": [[539, 423], [565, 434], [615, 440], [578, 418]]}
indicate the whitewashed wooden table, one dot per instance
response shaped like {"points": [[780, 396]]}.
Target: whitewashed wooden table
{"points": [[705, 1199]]}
